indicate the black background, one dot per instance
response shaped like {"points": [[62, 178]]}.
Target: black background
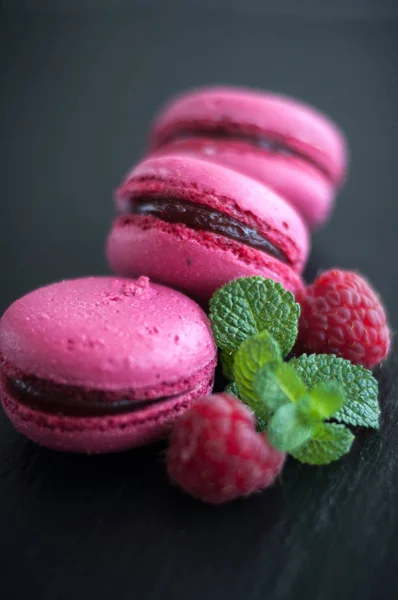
{"points": [[80, 81]]}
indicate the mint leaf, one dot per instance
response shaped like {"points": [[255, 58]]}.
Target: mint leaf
{"points": [[322, 402], [287, 430], [267, 387], [248, 305], [360, 387], [227, 363], [232, 390], [277, 383], [253, 354], [289, 381], [328, 442]]}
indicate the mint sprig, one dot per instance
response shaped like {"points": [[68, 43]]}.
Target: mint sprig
{"points": [[255, 325], [361, 407], [293, 414], [288, 428], [252, 354], [277, 383], [323, 401], [249, 305], [328, 442]]}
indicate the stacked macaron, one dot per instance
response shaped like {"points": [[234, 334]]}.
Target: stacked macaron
{"points": [[195, 225], [233, 182]]}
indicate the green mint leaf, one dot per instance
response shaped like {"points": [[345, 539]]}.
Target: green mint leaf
{"points": [[262, 422], [251, 355], [267, 387], [322, 401], [248, 305], [289, 381], [232, 390], [360, 387], [277, 383], [227, 363], [329, 442], [287, 430]]}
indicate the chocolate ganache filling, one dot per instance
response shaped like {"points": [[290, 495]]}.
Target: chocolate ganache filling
{"points": [[69, 400], [203, 218], [262, 142]]}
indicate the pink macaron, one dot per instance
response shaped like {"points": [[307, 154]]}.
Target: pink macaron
{"points": [[195, 225], [103, 364], [286, 144]]}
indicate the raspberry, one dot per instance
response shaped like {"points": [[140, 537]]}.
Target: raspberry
{"points": [[216, 454], [341, 314]]}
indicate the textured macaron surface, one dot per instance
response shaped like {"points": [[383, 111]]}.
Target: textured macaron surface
{"points": [[107, 334], [300, 182], [221, 189], [304, 129], [196, 262]]}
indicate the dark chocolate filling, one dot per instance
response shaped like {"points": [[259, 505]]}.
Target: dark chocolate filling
{"points": [[68, 400], [266, 143], [203, 218]]}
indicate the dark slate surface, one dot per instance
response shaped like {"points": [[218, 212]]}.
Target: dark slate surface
{"points": [[78, 89]]}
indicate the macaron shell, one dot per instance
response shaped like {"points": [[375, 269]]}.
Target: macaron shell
{"points": [[108, 334], [224, 190], [194, 262], [306, 130], [294, 179], [97, 435]]}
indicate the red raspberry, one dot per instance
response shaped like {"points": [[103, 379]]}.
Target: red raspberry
{"points": [[343, 315], [216, 454]]}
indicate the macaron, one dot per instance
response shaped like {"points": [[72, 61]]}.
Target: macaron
{"points": [[284, 143], [102, 364], [195, 225]]}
